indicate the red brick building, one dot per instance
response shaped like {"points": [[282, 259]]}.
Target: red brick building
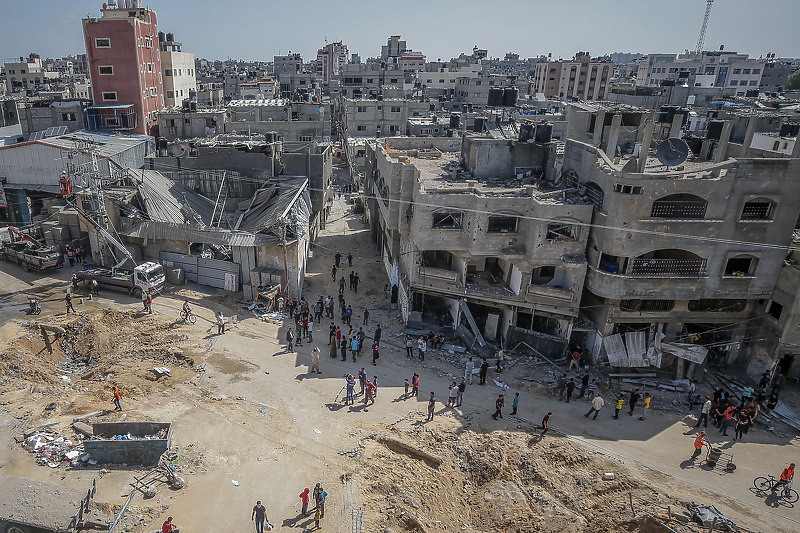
{"points": [[125, 68]]}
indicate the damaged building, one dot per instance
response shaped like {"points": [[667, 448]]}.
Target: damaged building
{"points": [[687, 244], [480, 234]]}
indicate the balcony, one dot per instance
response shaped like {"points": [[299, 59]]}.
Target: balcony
{"points": [[552, 293], [439, 279], [622, 286]]}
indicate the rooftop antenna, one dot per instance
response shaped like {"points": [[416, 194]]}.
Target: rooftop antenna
{"points": [[701, 39]]}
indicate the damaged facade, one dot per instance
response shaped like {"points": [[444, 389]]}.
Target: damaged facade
{"points": [[480, 231]]}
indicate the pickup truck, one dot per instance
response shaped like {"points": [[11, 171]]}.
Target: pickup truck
{"points": [[30, 506], [31, 257], [147, 276]]}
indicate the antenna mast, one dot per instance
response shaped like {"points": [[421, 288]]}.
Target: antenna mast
{"points": [[701, 39]]}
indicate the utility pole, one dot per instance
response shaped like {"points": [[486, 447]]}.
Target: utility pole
{"points": [[285, 264]]}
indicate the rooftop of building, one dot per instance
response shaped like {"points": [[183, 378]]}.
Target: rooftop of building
{"points": [[608, 107], [441, 173]]}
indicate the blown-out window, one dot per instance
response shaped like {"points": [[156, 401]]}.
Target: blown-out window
{"points": [[447, 220], [502, 224]]}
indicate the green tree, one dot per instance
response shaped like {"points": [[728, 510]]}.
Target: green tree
{"points": [[793, 82]]}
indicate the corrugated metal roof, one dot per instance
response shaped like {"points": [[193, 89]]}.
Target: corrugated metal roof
{"points": [[107, 145], [153, 230], [265, 215], [168, 201]]}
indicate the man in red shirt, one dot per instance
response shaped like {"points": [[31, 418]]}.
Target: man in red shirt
{"points": [[786, 477], [167, 527], [368, 396], [545, 421]]}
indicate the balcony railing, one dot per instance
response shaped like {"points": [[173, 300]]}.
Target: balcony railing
{"points": [[653, 268], [438, 274]]}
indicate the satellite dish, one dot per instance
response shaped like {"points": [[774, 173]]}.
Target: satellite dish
{"points": [[673, 151], [176, 150]]}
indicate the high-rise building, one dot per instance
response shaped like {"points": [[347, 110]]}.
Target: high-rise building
{"points": [[583, 78], [179, 74], [330, 59], [125, 68]]}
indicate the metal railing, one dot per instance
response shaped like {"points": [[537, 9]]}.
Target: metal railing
{"points": [[681, 209], [667, 267]]}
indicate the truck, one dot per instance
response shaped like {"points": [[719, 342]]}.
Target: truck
{"points": [[29, 506], [147, 276], [21, 249]]}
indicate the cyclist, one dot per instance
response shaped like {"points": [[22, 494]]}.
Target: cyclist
{"points": [[786, 477], [186, 309]]}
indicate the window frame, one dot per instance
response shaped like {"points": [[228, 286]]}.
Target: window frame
{"points": [[106, 39], [494, 220], [456, 216], [108, 99], [101, 67]]}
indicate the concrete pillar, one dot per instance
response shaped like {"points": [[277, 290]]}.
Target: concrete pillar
{"points": [[705, 149], [613, 135], [600, 118], [722, 147], [646, 139], [796, 149], [675, 129], [748, 136]]}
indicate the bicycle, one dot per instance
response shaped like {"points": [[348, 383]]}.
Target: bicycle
{"points": [[765, 484], [188, 316]]}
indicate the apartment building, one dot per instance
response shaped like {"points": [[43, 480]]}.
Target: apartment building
{"points": [[683, 260], [476, 231], [26, 73], [179, 70], [330, 59], [124, 59], [381, 118], [583, 78], [709, 69]]}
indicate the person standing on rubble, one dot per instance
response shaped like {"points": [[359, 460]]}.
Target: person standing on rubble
{"points": [[431, 406], [117, 398], [221, 324], [545, 422], [483, 371], [468, 370]]}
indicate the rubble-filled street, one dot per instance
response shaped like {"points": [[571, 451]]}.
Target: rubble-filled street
{"points": [[247, 421]]}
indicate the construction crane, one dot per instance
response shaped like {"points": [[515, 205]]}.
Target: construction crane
{"points": [[701, 39]]}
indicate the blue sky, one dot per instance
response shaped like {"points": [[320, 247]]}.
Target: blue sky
{"points": [[245, 29]]}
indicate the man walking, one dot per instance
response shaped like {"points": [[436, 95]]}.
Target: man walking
{"points": [[499, 365], [498, 407], [431, 406], [415, 385], [366, 316], [645, 406], [483, 371], [375, 354], [597, 404], [356, 279], [634, 399], [68, 301], [338, 258], [618, 406], [698, 444], [423, 346], [341, 285], [570, 388], [349, 259], [362, 379], [352, 275], [461, 388], [259, 514], [469, 369], [117, 398], [377, 335], [729, 420], [409, 346], [561, 386], [370, 393], [515, 404], [704, 412], [354, 348]]}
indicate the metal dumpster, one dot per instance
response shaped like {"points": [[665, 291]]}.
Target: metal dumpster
{"points": [[136, 450]]}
